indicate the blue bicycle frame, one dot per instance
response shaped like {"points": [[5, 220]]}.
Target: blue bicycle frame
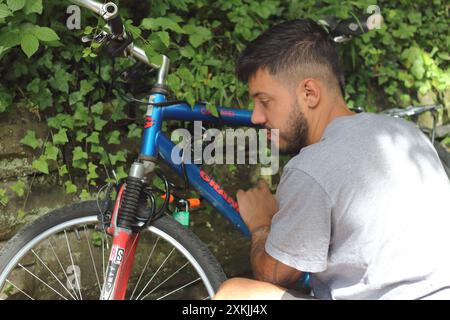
{"points": [[155, 142]]}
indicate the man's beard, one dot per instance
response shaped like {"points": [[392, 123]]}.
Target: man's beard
{"points": [[296, 134]]}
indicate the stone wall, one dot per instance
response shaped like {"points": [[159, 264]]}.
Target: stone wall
{"points": [[42, 192]]}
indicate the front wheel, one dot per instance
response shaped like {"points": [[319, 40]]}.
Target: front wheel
{"points": [[62, 256]]}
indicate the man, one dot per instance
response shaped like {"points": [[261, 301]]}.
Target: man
{"points": [[363, 206]]}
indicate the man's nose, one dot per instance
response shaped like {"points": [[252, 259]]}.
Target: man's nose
{"points": [[258, 116]]}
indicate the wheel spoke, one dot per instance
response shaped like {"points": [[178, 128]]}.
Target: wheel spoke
{"points": [[145, 268], [182, 287], [92, 258], [45, 265], [154, 275], [64, 271], [35, 276], [73, 265], [20, 290], [167, 279]]}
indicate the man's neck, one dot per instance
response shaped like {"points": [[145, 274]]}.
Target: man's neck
{"points": [[326, 116]]}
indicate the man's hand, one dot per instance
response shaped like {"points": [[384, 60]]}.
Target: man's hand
{"points": [[257, 206]]}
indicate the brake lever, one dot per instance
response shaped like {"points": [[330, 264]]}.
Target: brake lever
{"points": [[99, 38], [112, 46]]}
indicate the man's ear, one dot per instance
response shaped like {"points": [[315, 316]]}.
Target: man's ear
{"points": [[309, 92]]}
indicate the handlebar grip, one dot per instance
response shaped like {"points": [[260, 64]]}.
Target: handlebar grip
{"points": [[351, 27]]}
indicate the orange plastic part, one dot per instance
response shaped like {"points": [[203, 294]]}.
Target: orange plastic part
{"points": [[171, 198], [193, 202]]}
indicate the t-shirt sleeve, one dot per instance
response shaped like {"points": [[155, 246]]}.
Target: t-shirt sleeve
{"points": [[301, 229]]}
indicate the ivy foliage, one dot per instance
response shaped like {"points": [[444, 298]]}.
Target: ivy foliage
{"points": [[45, 66]]}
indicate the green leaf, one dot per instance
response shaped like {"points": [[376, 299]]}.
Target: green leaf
{"points": [[120, 173], [41, 164], [97, 149], [187, 51], [60, 80], [44, 99], [186, 75], [80, 136], [5, 100], [135, 31], [197, 34], [93, 138], [91, 171], [4, 11], [31, 140], [163, 23], [62, 171], [79, 154], [417, 69], [114, 137], [3, 197], [9, 38], [51, 152], [29, 44], [99, 123], [45, 34], [79, 164], [21, 214], [97, 108], [61, 120], [165, 38], [81, 115], [444, 56], [119, 156], [70, 187], [84, 196], [152, 55], [85, 87], [134, 131], [75, 97], [60, 137], [88, 30], [15, 5], [19, 188], [33, 6], [197, 39], [34, 86]]}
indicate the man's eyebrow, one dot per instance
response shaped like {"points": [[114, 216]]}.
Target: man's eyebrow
{"points": [[258, 94]]}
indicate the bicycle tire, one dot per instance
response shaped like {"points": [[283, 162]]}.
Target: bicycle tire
{"points": [[72, 221], [444, 156]]}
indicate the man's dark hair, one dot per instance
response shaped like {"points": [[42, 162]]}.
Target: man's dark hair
{"points": [[298, 48]]}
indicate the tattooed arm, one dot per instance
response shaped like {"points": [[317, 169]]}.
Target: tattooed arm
{"points": [[266, 268], [257, 207]]}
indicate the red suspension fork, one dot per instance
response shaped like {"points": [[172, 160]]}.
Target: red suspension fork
{"points": [[120, 264], [121, 257]]}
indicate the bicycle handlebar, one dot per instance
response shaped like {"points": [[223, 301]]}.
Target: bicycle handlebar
{"points": [[110, 13]]}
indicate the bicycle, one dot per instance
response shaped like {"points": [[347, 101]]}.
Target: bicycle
{"points": [[129, 229]]}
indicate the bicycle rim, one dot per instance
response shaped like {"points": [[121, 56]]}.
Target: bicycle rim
{"points": [[68, 261]]}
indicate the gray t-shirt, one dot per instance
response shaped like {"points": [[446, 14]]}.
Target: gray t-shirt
{"points": [[366, 210]]}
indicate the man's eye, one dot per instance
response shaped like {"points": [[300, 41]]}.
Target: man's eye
{"points": [[265, 103]]}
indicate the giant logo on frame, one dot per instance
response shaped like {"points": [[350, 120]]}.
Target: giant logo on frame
{"points": [[219, 189]]}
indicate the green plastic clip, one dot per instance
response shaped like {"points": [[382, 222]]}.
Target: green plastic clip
{"points": [[182, 217]]}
